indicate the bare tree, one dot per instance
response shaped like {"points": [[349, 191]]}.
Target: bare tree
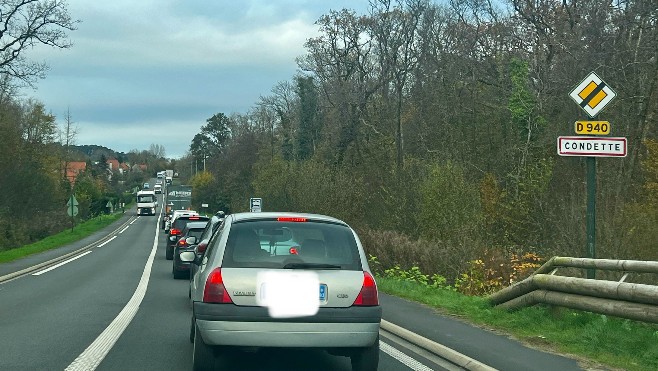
{"points": [[25, 24], [67, 136]]}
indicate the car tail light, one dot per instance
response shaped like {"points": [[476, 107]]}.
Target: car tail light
{"points": [[201, 247], [291, 219], [214, 291], [182, 242], [368, 295], [194, 218], [174, 232]]}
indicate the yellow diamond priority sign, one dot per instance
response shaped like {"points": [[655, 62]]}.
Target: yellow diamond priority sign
{"points": [[592, 94]]}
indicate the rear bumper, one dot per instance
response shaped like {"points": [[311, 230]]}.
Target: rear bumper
{"points": [[228, 324]]}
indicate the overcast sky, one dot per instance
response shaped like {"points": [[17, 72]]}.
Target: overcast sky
{"points": [[152, 71]]}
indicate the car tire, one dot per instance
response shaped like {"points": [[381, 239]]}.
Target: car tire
{"points": [[169, 253], [192, 332], [204, 356], [366, 359], [177, 274]]}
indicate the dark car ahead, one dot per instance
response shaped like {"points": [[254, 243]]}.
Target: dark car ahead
{"points": [[202, 242], [189, 237], [176, 230], [284, 280]]}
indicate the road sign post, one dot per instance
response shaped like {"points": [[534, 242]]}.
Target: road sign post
{"points": [[591, 212], [592, 95], [72, 209]]}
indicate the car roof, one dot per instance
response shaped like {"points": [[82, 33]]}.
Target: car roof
{"points": [[196, 217], [196, 225], [238, 217], [184, 212]]}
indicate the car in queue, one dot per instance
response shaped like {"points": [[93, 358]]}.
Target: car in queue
{"points": [[190, 234], [319, 294], [175, 214], [202, 242], [176, 230]]}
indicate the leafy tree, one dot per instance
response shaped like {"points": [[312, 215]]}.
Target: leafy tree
{"points": [[308, 133], [216, 132]]}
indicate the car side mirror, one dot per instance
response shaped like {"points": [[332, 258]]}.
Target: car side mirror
{"points": [[191, 240], [189, 257]]}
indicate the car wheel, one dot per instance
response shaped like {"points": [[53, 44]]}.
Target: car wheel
{"points": [[177, 274], [366, 359], [204, 356], [169, 254]]}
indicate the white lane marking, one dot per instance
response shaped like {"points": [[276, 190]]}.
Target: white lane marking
{"points": [[94, 354], [403, 358], [131, 223], [123, 230], [106, 242], [60, 264]]}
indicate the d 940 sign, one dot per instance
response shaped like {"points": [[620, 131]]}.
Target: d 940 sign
{"points": [[592, 127]]}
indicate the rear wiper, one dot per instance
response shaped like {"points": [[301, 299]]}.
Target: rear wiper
{"points": [[310, 266]]}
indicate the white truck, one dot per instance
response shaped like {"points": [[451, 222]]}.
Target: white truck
{"points": [[147, 203], [169, 175]]}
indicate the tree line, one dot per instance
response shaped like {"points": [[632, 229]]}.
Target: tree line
{"points": [[438, 122]]}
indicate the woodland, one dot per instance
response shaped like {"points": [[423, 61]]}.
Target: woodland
{"points": [[431, 127]]}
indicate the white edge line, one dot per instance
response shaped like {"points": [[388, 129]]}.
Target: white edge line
{"points": [[403, 358], [60, 264], [91, 357], [106, 242]]}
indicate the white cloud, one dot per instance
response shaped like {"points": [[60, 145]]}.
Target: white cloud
{"points": [[152, 71], [153, 33]]}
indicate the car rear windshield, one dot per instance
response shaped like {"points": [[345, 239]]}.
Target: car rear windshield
{"points": [[182, 221], [291, 245], [195, 233]]}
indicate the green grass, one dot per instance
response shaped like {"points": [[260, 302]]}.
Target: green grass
{"points": [[591, 338], [63, 238]]}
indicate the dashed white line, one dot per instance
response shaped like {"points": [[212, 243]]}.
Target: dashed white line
{"points": [[106, 242], [123, 230], [60, 264], [131, 223]]}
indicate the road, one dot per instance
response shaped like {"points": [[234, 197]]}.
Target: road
{"points": [[118, 308]]}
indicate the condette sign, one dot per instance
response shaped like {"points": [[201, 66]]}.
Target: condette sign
{"points": [[592, 146]]}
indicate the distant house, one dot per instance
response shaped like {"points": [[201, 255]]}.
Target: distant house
{"points": [[113, 164], [143, 167], [124, 168], [73, 169]]}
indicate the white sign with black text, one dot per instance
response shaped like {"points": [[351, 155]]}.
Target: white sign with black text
{"points": [[592, 146]]}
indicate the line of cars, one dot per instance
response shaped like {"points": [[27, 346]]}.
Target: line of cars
{"points": [[275, 280]]}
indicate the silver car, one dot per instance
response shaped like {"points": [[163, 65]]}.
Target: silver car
{"points": [[284, 280]]}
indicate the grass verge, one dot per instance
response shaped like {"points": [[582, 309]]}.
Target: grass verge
{"points": [[63, 238], [591, 338]]}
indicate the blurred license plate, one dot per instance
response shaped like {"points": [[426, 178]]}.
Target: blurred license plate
{"points": [[323, 292]]}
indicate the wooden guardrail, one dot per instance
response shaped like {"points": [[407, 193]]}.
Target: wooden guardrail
{"points": [[616, 298]]}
